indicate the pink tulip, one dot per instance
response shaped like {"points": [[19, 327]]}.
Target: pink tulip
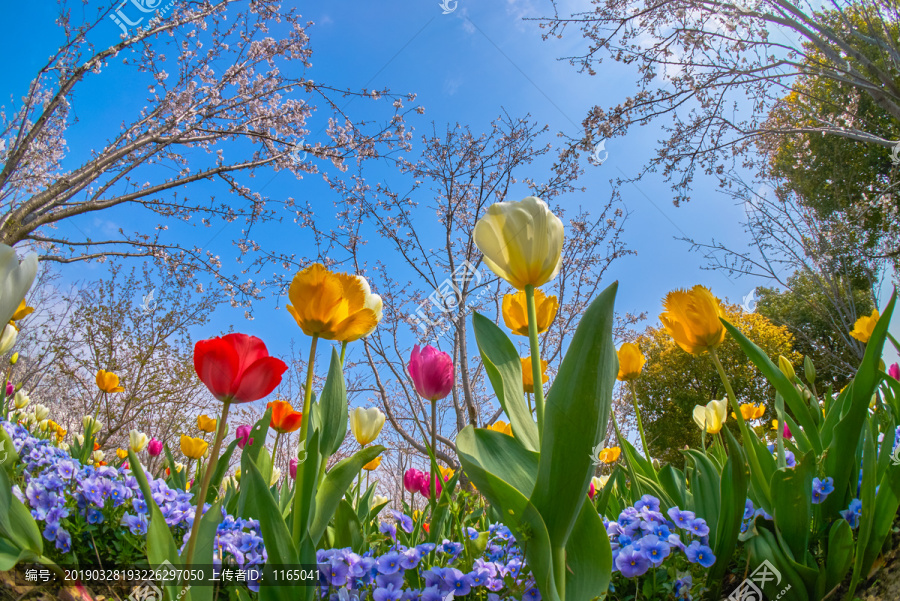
{"points": [[432, 372], [412, 480], [243, 436], [155, 447], [592, 491], [894, 371], [10, 389], [293, 468], [786, 432], [425, 487]]}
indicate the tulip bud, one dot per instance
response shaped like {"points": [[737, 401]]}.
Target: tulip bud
{"points": [[14, 358], [80, 439], [276, 476], [786, 368], [809, 369], [43, 425], [91, 426], [64, 446], [237, 474], [137, 441], [98, 456]]}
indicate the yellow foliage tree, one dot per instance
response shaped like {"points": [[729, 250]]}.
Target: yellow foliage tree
{"points": [[673, 381]]}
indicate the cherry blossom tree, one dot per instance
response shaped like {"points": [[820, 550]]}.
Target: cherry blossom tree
{"points": [[226, 98], [412, 238]]}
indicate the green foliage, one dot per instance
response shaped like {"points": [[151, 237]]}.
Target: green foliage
{"points": [[819, 331], [673, 381], [565, 543]]}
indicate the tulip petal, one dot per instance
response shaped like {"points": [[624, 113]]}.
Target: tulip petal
{"points": [[259, 380], [216, 364]]}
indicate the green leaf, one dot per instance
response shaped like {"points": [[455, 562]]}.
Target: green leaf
{"points": [[515, 510], [161, 546], [441, 518], [588, 557], [705, 487], [8, 450], [335, 485], [276, 536], [732, 495], [782, 384], [839, 463], [347, 529], [867, 513], [305, 485], [16, 522], [333, 411], [10, 554], [673, 482], [222, 463], [792, 496], [840, 554], [176, 479], [205, 547], [504, 368], [764, 547], [575, 418]]}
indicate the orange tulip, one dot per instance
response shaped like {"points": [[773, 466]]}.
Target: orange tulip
{"points": [[284, 418]]}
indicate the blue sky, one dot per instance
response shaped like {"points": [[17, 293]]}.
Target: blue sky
{"points": [[465, 66]]}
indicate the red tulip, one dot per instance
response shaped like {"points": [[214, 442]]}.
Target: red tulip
{"points": [[243, 436], [155, 447], [237, 368], [432, 372]]}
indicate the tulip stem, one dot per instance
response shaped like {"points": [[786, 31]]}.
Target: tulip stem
{"points": [[343, 351], [301, 444], [434, 468], [307, 393], [536, 373], [204, 485], [755, 467], [275, 446], [637, 414]]}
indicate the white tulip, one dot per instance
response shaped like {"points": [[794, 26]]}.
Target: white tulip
{"points": [[8, 338], [21, 400], [15, 280], [41, 412], [137, 441], [98, 456]]}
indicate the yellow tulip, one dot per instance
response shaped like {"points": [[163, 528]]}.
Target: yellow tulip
{"points": [[528, 374], [121, 453], [750, 411], [599, 482], [759, 411], [206, 424], [521, 242], [22, 311], [610, 454], [515, 311], [193, 448], [366, 424], [786, 368], [373, 464], [446, 472], [108, 382], [237, 475], [691, 318], [631, 361], [332, 305], [864, 326], [502, 427], [712, 416]]}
